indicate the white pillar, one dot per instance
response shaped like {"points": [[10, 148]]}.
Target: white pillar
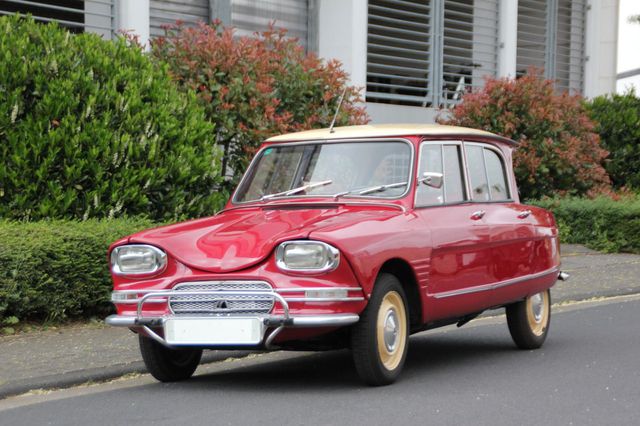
{"points": [[507, 38], [601, 46], [342, 35], [133, 17]]}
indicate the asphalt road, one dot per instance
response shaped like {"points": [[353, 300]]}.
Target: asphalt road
{"points": [[588, 372]]}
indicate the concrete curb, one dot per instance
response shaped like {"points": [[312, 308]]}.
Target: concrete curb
{"points": [[99, 374]]}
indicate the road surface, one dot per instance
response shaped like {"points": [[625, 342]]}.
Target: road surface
{"points": [[588, 372]]}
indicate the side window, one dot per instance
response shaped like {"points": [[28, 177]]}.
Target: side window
{"points": [[497, 176], [477, 173], [445, 159], [487, 175]]}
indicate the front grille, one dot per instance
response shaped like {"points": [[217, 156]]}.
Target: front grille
{"points": [[219, 304]]}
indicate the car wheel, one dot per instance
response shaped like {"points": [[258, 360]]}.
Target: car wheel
{"points": [[529, 319], [379, 341], [168, 365]]}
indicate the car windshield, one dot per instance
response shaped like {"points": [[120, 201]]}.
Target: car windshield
{"points": [[336, 169]]}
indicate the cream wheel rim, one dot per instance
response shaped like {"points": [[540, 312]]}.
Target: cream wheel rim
{"points": [[391, 330], [538, 312]]}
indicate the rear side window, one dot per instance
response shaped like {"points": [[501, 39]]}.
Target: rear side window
{"points": [[487, 174]]}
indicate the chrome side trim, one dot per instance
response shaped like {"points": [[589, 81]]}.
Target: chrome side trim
{"points": [[164, 294], [303, 289], [494, 286], [324, 299]]}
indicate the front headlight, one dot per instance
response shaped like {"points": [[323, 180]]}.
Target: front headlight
{"points": [[137, 259], [307, 256]]}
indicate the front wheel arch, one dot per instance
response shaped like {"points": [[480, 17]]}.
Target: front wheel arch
{"points": [[406, 275]]}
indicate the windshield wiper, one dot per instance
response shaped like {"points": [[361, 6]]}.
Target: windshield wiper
{"points": [[293, 191], [370, 190]]}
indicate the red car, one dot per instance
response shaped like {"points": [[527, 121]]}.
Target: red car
{"points": [[353, 237]]}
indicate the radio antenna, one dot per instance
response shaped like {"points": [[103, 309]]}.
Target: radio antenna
{"points": [[333, 122]]}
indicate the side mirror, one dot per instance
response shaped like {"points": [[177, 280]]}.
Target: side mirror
{"points": [[432, 179]]}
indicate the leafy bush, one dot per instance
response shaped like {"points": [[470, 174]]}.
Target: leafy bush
{"points": [[559, 151], [617, 120], [53, 270], [601, 223], [92, 128], [255, 87]]}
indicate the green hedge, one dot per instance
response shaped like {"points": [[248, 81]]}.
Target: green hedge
{"points": [[56, 270], [91, 128], [618, 123], [601, 224]]}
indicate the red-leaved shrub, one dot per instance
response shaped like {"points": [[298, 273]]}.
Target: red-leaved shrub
{"points": [[256, 87], [558, 150]]}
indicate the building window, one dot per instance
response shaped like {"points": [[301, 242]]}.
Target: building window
{"points": [[429, 52], [551, 39], [97, 16]]}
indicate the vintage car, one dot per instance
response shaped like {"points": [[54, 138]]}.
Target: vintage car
{"points": [[353, 237]]}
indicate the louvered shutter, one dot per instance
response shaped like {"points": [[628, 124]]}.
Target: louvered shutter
{"points": [[97, 16], [551, 38], [249, 16], [470, 46], [428, 53], [570, 45], [167, 12], [399, 58]]}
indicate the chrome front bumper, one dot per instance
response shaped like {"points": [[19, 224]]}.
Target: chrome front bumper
{"points": [[279, 321]]}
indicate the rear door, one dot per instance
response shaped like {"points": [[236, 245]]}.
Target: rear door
{"points": [[511, 228]]}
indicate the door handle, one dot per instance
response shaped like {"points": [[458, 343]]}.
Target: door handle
{"points": [[478, 215], [524, 214]]}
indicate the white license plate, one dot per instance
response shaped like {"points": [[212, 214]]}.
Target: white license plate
{"points": [[213, 331]]}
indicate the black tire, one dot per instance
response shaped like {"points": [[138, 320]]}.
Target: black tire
{"points": [[376, 364], [529, 326], [168, 365]]}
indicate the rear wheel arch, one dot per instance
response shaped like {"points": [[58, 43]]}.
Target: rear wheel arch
{"points": [[405, 274]]}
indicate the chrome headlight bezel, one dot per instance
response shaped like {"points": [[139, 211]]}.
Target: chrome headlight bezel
{"points": [[330, 257], [158, 265]]}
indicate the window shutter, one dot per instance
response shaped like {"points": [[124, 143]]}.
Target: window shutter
{"points": [[570, 45], [167, 12], [399, 58], [249, 16], [551, 38], [428, 53], [470, 46], [97, 16]]}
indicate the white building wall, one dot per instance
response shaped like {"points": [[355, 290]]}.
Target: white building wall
{"points": [[601, 48], [342, 35], [133, 17]]}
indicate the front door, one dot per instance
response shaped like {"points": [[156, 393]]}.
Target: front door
{"points": [[461, 247]]}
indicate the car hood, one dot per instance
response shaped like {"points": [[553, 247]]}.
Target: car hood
{"points": [[239, 238]]}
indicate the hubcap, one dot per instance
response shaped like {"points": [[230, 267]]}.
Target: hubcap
{"points": [[391, 330], [537, 307], [538, 312]]}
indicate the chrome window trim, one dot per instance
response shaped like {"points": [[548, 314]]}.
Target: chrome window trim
{"points": [[330, 266], [255, 159], [157, 251]]}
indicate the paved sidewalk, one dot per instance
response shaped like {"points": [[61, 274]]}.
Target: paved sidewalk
{"points": [[77, 354]]}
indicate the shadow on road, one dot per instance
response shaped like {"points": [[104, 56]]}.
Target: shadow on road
{"points": [[334, 370]]}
